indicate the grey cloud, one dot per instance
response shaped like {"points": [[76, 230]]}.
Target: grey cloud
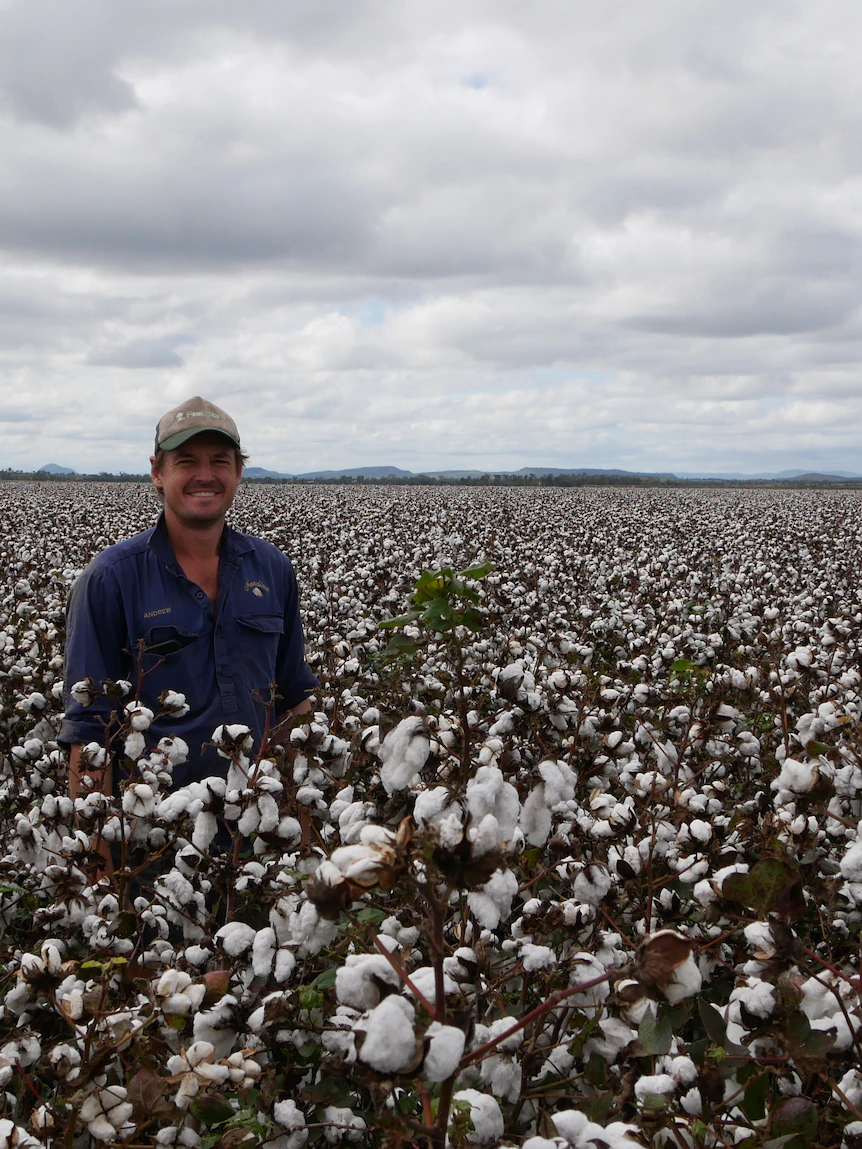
{"points": [[139, 354]]}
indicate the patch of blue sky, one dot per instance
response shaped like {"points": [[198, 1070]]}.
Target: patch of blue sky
{"points": [[545, 375], [475, 80], [370, 312]]}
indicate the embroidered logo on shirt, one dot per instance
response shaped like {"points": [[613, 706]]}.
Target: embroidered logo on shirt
{"points": [[257, 588], [161, 610]]}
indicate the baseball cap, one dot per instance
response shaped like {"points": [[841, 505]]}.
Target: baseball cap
{"points": [[191, 418]]}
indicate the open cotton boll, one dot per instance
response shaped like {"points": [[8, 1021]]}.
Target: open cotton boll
{"points": [[488, 792], [138, 716], [851, 863], [559, 779], [390, 1043], [357, 980], [758, 997], [445, 1050], [290, 1117], [494, 900], [403, 752], [535, 820], [430, 804], [134, 745], [581, 1133], [485, 1115], [235, 938], [139, 801], [657, 1084]]}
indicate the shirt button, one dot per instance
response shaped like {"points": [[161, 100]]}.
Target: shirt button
{"points": [[200, 594]]}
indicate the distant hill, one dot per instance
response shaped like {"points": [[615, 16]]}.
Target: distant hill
{"points": [[56, 469], [358, 473], [346, 473]]}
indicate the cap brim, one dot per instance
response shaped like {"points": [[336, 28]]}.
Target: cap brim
{"points": [[184, 436]]}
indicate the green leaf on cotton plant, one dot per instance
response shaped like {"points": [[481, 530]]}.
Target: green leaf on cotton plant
{"points": [[772, 885], [655, 1036], [478, 571], [753, 1103]]}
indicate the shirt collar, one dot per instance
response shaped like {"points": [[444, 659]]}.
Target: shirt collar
{"points": [[234, 544]]}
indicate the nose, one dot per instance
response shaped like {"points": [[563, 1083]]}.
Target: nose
{"points": [[204, 472]]}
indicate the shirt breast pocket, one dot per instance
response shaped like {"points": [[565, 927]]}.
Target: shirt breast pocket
{"points": [[163, 641], [259, 636]]}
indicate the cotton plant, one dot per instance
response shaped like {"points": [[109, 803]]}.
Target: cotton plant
{"points": [[574, 852]]}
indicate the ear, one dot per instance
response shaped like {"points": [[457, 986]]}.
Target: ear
{"points": [[155, 474]]}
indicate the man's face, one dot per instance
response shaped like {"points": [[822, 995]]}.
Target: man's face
{"points": [[199, 479]]}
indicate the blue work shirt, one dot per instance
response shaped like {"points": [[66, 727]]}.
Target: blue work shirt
{"points": [[133, 614]]}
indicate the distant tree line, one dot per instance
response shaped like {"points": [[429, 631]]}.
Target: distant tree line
{"points": [[490, 479]]}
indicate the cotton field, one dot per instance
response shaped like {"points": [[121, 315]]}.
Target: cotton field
{"points": [[568, 856]]}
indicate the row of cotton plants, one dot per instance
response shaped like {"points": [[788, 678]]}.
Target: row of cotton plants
{"points": [[567, 856]]}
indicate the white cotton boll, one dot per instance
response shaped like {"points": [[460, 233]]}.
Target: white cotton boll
{"points": [[290, 1117], [692, 1102], [485, 836], [851, 1086], [493, 900], [176, 750], [591, 885], [684, 1070], [851, 863], [285, 964], [342, 1124], [445, 1050], [84, 692], [700, 830], [269, 814], [235, 938], [657, 1084], [390, 1043], [172, 981], [759, 937], [451, 830], [685, 982], [139, 717], [356, 980], [559, 779], [139, 801], [250, 820], [485, 1115], [430, 804], [798, 777], [174, 703], [263, 952], [502, 1076], [537, 957], [424, 980], [504, 723], [403, 752], [535, 820], [204, 830], [758, 997], [134, 745], [612, 1038], [488, 792]]}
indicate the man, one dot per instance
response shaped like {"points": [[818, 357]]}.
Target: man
{"points": [[190, 606]]}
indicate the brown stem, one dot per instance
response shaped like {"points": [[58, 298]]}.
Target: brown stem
{"points": [[545, 1007]]}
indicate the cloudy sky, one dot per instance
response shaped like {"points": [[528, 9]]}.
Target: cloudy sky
{"points": [[480, 233]]}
